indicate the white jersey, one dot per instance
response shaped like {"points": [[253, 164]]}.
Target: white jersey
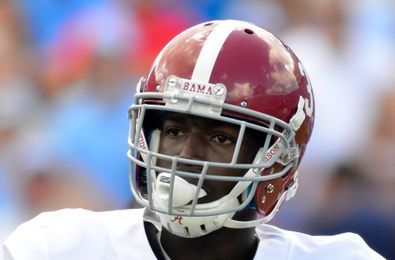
{"points": [[119, 235]]}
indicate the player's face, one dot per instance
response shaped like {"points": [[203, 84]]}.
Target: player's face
{"points": [[204, 139]]}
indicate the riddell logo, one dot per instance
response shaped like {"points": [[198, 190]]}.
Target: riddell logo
{"points": [[197, 88]]}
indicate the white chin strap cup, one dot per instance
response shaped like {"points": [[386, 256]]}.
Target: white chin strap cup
{"points": [[183, 191]]}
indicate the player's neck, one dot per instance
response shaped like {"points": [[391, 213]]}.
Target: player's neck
{"points": [[224, 243]]}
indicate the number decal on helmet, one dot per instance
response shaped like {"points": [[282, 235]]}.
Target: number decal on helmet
{"points": [[309, 104]]}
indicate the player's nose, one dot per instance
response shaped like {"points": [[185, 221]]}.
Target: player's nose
{"points": [[193, 147]]}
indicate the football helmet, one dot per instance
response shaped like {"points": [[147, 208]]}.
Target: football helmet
{"points": [[237, 73]]}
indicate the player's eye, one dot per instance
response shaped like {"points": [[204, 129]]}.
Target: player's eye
{"points": [[223, 139], [174, 132]]}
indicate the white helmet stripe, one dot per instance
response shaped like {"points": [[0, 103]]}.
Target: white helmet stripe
{"points": [[209, 53]]}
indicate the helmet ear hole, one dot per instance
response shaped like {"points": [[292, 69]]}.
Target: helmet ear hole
{"points": [[248, 31]]}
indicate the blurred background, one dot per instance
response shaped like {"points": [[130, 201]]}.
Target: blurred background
{"points": [[68, 72]]}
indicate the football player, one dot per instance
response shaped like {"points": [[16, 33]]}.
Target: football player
{"points": [[218, 129]]}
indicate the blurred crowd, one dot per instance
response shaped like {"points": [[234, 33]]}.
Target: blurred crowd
{"points": [[68, 72]]}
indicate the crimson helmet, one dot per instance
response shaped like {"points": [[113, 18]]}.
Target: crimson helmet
{"points": [[237, 73]]}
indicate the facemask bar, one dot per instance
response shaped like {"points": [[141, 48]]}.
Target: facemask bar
{"points": [[199, 187], [137, 146]]}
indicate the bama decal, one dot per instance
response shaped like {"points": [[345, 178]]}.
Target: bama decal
{"points": [[197, 88]]}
